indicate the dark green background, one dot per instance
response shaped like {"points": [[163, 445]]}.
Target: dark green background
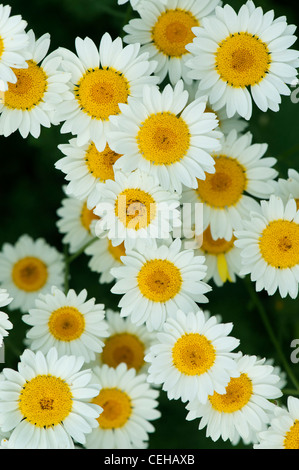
{"points": [[31, 193]]}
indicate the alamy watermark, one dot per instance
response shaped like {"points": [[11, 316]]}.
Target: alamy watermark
{"points": [[295, 92]]}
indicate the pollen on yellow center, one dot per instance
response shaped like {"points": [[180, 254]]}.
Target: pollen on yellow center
{"points": [[163, 138], [242, 60], [291, 440], [123, 347], [173, 31], [66, 324], [159, 280], [117, 408], [135, 208], [279, 244], [225, 187], [29, 89], [117, 251], [193, 354], [30, 274], [238, 393], [45, 401], [1, 46], [99, 92], [87, 216], [215, 247], [100, 164]]}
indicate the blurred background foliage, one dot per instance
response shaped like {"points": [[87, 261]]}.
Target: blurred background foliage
{"points": [[31, 193]]}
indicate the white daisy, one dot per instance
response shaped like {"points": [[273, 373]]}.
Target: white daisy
{"points": [[5, 323], [135, 208], [242, 56], [29, 103], [193, 356], [283, 432], [164, 29], [13, 44], [135, 3], [165, 137], [70, 322], [156, 282], [269, 243], [76, 222], [242, 173], [85, 166], [129, 405], [45, 403], [101, 79], [244, 408], [28, 268], [289, 187]]}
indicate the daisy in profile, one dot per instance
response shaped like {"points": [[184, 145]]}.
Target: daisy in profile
{"points": [[29, 103], [164, 29], [103, 257], [5, 323], [76, 222], [72, 323], [242, 173], [135, 208], [192, 357], [287, 188], [13, 46], [156, 282], [244, 56], [126, 343], [45, 404], [85, 167], [129, 405], [101, 78], [246, 406], [283, 432], [28, 268], [269, 243], [166, 137]]}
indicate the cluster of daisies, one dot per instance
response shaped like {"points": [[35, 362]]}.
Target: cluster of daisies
{"points": [[168, 196]]}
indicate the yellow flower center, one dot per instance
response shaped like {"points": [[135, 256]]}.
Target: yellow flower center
{"points": [[159, 280], [29, 89], [100, 164], [216, 247], [45, 401], [279, 244], [193, 354], [163, 138], [238, 393], [123, 347], [225, 187], [135, 208], [172, 32], [242, 60], [117, 408], [87, 216], [291, 440], [66, 324], [116, 251], [1, 46], [100, 91], [30, 274]]}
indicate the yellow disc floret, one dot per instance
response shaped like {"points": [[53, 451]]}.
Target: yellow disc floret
{"points": [[66, 323], [193, 354], [117, 408], [159, 280], [100, 164], [279, 244], [123, 347], [135, 208], [30, 274], [238, 393], [291, 440]]}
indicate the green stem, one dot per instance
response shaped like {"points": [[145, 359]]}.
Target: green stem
{"points": [[260, 307], [71, 258]]}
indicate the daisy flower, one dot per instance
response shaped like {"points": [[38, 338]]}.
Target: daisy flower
{"points": [[164, 29], [283, 432], [28, 268], [71, 323], [5, 324], [135, 3], [269, 243], [29, 103], [126, 343], [166, 137], [289, 187], [85, 167], [76, 222], [193, 356], [244, 56], [129, 405], [13, 44], [244, 408], [242, 173], [45, 404], [101, 78], [135, 208], [156, 282]]}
